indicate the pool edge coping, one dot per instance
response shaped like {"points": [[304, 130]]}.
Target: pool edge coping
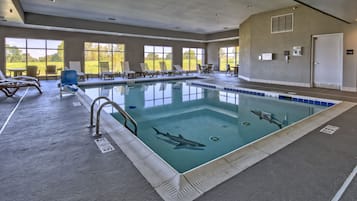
{"points": [[172, 185]]}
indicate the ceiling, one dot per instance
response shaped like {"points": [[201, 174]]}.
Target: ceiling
{"points": [[195, 16], [9, 12], [343, 9]]}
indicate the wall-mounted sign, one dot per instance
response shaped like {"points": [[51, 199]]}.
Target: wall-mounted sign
{"points": [[267, 56], [349, 52]]}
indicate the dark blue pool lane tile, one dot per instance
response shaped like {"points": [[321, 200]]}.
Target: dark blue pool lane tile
{"points": [[317, 103], [330, 104], [323, 103]]}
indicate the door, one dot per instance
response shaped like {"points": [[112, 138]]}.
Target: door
{"points": [[327, 61]]}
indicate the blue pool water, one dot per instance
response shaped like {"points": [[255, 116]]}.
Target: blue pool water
{"points": [[188, 125]]}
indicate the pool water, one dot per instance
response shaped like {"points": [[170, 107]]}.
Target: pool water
{"points": [[188, 126]]}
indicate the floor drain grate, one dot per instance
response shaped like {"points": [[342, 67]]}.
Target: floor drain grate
{"points": [[104, 145], [329, 129]]}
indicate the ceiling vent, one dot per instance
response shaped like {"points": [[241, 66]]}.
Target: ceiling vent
{"points": [[282, 23]]}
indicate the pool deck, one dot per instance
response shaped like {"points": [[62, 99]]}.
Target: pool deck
{"points": [[47, 153]]}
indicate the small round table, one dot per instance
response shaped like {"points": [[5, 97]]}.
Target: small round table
{"points": [[16, 71]]}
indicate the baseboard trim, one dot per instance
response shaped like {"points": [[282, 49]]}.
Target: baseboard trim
{"points": [[297, 84], [349, 89]]}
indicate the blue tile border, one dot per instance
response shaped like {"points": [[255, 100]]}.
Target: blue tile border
{"points": [[306, 100]]}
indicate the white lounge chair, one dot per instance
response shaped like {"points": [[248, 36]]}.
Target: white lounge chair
{"points": [[104, 70], [21, 77], [127, 72], [164, 70], [145, 69], [76, 65], [179, 70]]}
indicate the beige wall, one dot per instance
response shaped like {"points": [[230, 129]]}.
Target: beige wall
{"points": [[256, 38]]}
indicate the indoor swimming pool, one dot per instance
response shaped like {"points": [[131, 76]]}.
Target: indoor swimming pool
{"points": [[189, 125]]}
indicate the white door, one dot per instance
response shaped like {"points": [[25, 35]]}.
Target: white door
{"points": [[327, 61]]}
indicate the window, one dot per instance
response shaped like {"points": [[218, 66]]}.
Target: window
{"points": [[98, 52], [153, 55], [228, 97], [228, 55], [158, 94], [191, 57], [190, 93], [21, 52]]}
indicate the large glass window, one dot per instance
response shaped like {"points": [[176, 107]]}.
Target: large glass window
{"points": [[100, 52], [21, 52], [190, 93], [153, 55], [191, 57], [228, 97], [158, 94], [228, 55]]}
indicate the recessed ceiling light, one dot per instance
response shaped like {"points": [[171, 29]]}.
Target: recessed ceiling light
{"points": [[52, 1], [111, 18], [225, 28]]}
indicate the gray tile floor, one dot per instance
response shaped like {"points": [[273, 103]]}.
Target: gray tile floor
{"points": [[47, 153]]}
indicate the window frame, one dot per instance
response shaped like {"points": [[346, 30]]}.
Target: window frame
{"points": [[163, 59], [112, 52], [28, 49], [227, 56], [196, 50]]}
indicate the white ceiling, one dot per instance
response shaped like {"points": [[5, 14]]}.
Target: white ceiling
{"points": [[197, 16], [8, 12], [343, 9]]}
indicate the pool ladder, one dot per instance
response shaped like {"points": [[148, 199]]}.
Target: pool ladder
{"points": [[123, 113]]}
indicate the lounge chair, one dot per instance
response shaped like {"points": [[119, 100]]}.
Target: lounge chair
{"points": [[10, 86], [104, 70], [68, 82], [164, 70], [179, 70], [146, 71], [127, 72], [21, 77], [76, 65], [51, 70]]}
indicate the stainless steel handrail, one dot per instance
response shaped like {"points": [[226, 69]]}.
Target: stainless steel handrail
{"points": [[91, 125], [122, 112]]}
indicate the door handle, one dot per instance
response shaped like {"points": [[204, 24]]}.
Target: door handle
{"points": [[316, 63]]}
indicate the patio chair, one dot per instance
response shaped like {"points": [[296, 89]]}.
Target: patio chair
{"points": [[31, 72], [51, 70], [209, 68], [164, 70], [104, 70], [127, 72], [202, 68], [10, 86], [76, 65], [21, 77], [68, 82], [228, 69], [179, 70], [144, 68]]}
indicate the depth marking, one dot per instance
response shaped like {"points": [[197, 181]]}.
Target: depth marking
{"points": [[104, 145], [13, 112], [345, 185]]}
